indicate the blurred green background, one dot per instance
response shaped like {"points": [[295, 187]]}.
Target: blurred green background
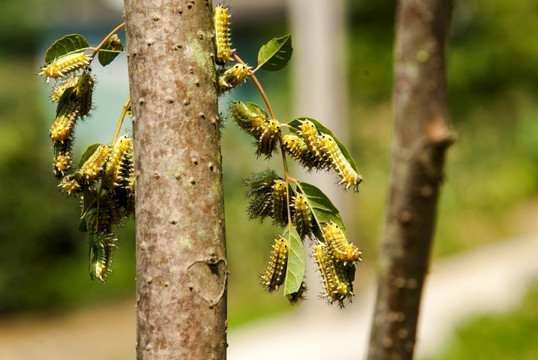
{"points": [[491, 171]]}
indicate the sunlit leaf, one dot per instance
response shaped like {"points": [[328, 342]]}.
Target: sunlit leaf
{"points": [[296, 264], [275, 54], [323, 209], [87, 153], [65, 45], [111, 49]]}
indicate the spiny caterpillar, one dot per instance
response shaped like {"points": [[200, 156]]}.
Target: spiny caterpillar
{"points": [[338, 162], [70, 185], [276, 269], [93, 167], [101, 247], [83, 93], [311, 138], [119, 164], [62, 161], [269, 138], [75, 101], [297, 148], [261, 193], [60, 67], [230, 77], [62, 87], [341, 249], [248, 120], [302, 216], [280, 203], [335, 279], [62, 128], [221, 21]]}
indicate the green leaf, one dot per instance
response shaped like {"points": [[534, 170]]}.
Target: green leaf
{"points": [[296, 264], [255, 108], [275, 54], [296, 123], [87, 153], [323, 209], [65, 100], [65, 45], [112, 47]]}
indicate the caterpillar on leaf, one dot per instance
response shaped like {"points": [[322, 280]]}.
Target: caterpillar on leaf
{"points": [[337, 285], [268, 139], [70, 185], [338, 162], [297, 148], [231, 77], [276, 269], [261, 194], [250, 119], [302, 216], [95, 165], [311, 138], [62, 128], [101, 248], [119, 164], [63, 160], [340, 248], [280, 203], [62, 87], [61, 66]]}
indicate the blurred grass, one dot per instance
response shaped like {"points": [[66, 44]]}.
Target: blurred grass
{"points": [[512, 335]]}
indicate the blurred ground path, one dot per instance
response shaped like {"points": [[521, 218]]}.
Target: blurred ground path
{"points": [[104, 333], [488, 279]]}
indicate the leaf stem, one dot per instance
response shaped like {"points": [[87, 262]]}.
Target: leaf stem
{"points": [[258, 85], [96, 50], [120, 121]]}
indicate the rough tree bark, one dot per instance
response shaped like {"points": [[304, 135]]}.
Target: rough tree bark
{"points": [[181, 266], [422, 135]]}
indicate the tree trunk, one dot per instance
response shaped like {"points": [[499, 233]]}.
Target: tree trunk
{"points": [[181, 253], [422, 135]]}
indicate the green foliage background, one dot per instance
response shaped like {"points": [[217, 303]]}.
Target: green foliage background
{"points": [[492, 170]]}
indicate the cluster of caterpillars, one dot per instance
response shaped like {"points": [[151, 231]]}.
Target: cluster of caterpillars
{"points": [[228, 76], [104, 176], [333, 253]]}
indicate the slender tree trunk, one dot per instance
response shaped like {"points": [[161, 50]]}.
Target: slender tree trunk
{"points": [[181, 266], [422, 135]]}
